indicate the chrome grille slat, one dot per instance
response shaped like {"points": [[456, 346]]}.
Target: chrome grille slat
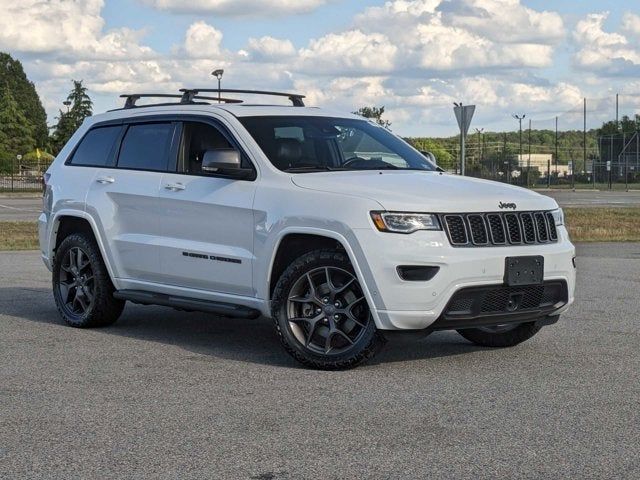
{"points": [[499, 228]]}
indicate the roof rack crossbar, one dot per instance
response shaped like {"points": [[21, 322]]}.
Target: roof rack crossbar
{"points": [[188, 94], [132, 98]]}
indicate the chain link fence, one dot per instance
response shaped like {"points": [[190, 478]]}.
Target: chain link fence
{"points": [[595, 144]]}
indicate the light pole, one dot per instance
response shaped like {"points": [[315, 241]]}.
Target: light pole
{"points": [[218, 74], [520, 118]]}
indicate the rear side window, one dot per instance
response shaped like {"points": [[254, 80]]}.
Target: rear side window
{"points": [[146, 147], [95, 148]]}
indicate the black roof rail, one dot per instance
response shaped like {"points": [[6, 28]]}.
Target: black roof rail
{"points": [[188, 94], [132, 98]]}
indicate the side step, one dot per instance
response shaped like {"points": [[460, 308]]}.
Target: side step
{"points": [[185, 303]]}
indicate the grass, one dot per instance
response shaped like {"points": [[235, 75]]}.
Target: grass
{"points": [[603, 224], [584, 224], [18, 236]]}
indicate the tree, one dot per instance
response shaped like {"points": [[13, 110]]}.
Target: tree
{"points": [[12, 76], [80, 107], [16, 132], [443, 157], [374, 113]]}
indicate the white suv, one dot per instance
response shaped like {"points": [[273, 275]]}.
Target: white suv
{"points": [[327, 223]]}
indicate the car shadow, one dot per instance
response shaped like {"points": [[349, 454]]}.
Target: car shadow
{"points": [[252, 341]]}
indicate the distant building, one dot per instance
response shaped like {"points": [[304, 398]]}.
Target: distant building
{"points": [[541, 162]]}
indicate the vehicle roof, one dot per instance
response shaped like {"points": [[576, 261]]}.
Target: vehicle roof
{"points": [[237, 110]]}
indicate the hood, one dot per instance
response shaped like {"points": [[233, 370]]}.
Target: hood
{"points": [[426, 191]]}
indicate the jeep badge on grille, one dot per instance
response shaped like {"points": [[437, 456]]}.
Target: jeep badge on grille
{"points": [[512, 206]]}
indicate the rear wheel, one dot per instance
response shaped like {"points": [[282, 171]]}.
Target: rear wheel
{"points": [[81, 285], [506, 335], [321, 314]]}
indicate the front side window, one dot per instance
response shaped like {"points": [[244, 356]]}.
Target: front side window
{"points": [[323, 143], [95, 148], [146, 147], [196, 140]]}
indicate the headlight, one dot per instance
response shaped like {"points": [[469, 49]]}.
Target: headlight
{"points": [[558, 216], [405, 222]]}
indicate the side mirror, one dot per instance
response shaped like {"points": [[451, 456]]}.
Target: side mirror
{"points": [[221, 159]]}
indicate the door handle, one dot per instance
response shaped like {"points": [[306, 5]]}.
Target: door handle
{"points": [[105, 180], [174, 187]]}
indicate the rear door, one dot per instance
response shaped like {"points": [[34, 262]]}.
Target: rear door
{"points": [[124, 198], [207, 231]]}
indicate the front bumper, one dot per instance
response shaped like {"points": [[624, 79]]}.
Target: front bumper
{"points": [[400, 304]]}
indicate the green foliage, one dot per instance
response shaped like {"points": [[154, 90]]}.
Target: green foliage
{"points": [[80, 107], [626, 125], [374, 113], [444, 158], [16, 132], [12, 76]]}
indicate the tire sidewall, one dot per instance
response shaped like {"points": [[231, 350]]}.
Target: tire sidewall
{"points": [[288, 279], [90, 249]]}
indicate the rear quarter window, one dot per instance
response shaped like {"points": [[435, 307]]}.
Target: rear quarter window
{"points": [[96, 147]]}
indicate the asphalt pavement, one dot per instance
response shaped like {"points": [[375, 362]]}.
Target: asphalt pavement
{"points": [[167, 394]]}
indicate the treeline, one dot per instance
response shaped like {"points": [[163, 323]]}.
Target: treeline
{"points": [[23, 120], [497, 147]]}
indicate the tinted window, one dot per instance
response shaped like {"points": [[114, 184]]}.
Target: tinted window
{"points": [[146, 146], [197, 139], [95, 148]]}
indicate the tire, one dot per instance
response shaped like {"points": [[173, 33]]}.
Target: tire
{"points": [[500, 338], [82, 289], [304, 319]]}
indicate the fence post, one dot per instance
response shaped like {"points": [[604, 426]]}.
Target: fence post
{"points": [[12, 167]]}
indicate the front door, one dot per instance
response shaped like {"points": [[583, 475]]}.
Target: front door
{"points": [[207, 231]]}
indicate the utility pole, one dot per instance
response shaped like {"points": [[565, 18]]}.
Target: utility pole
{"points": [[520, 118], [556, 147], [529, 159], [584, 141], [480, 144], [617, 110]]}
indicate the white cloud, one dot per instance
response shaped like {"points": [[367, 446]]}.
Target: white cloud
{"points": [[631, 24], [414, 56], [202, 41], [349, 52], [65, 26], [268, 48], [465, 34], [607, 52], [238, 7]]}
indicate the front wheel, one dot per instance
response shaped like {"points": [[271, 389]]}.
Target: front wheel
{"points": [[321, 314], [501, 335]]}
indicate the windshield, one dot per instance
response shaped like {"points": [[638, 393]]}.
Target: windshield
{"points": [[307, 144]]}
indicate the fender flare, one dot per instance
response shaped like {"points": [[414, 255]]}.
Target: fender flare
{"points": [[366, 279], [53, 233]]}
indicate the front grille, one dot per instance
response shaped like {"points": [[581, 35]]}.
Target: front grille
{"points": [[497, 299], [498, 228]]}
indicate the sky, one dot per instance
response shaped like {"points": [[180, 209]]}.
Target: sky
{"points": [[414, 57]]}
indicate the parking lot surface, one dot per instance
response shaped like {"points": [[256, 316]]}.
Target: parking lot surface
{"points": [[165, 394]]}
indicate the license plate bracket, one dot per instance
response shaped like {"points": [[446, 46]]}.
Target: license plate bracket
{"points": [[523, 270]]}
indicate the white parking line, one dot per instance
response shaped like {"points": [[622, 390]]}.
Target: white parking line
{"points": [[19, 209]]}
